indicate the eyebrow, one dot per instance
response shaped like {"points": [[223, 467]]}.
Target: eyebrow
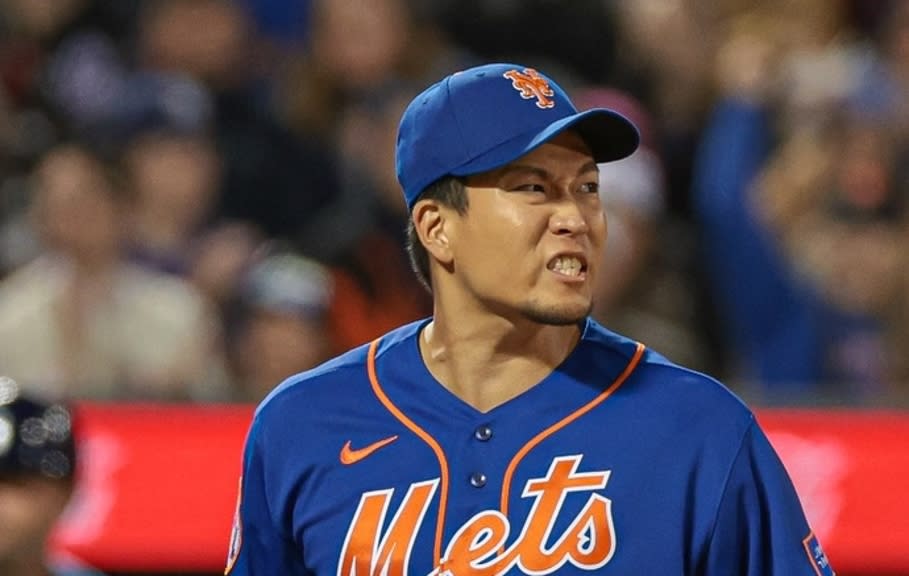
{"points": [[543, 173]]}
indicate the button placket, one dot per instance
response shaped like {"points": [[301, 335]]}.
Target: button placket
{"points": [[482, 433]]}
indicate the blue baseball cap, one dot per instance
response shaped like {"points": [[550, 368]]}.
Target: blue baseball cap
{"points": [[485, 117]]}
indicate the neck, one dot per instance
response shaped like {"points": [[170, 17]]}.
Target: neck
{"points": [[24, 566], [161, 233], [489, 361], [92, 264]]}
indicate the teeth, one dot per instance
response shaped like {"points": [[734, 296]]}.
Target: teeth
{"points": [[567, 265]]}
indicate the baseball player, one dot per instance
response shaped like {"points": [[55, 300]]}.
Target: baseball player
{"points": [[510, 433]]}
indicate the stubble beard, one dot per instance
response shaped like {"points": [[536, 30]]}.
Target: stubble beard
{"points": [[556, 315]]}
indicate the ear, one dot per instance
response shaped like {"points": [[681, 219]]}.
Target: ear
{"points": [[431, 223]]}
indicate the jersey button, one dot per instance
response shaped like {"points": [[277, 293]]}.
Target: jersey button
{"points": [[483, 433], [478, 479]]}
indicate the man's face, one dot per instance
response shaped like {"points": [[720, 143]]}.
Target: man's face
{"points": [[529, 245], [29, 506]]}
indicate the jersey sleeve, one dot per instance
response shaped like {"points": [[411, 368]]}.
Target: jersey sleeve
{"points": [[258, 545], [760, 527]]}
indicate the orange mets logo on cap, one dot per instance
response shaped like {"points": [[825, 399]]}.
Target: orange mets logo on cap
{"points": [[530, 84]]}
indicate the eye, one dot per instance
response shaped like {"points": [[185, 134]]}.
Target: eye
{"points": [[590, 187], [529, 187]]}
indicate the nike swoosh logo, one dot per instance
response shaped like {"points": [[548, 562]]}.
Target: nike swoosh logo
{"points": [[351, 456]]}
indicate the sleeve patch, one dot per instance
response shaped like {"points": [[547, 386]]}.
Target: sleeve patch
{"points": [[816, 556], [236, 534]]}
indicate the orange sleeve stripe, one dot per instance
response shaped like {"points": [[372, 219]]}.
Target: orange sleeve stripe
{"points": [[512, 466], [423, 435]]}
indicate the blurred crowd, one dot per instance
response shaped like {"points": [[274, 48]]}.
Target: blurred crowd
{"points": [[198, 198]]}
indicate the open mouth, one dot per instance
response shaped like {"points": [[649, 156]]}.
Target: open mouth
{"points": [[571, 266]]}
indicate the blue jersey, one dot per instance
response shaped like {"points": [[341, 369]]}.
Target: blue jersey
{"points": [[618, 462]]}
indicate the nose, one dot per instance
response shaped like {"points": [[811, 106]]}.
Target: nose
{"points": [[568, 219]]}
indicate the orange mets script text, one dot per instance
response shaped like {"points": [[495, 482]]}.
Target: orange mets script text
{"points": [[480, 547]]}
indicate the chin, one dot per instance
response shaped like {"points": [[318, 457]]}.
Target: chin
{"points": [[558, 315]]}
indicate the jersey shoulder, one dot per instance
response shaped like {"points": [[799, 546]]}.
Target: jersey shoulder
{"points": [[333, 382], [665, 382]]}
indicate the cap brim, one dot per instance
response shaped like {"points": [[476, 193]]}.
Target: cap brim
{"points": [[609, 135]]}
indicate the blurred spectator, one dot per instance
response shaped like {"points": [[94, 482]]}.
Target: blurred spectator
{"points": [[68, 57], [838, 204], [281, 325], [395, 41], [174, 173], [767, 317], [666, 62], [333, 70], [347, 93], [81, 321], [272, 179], [785, 72], [886, 80], [61, 70], [38, 461]]}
